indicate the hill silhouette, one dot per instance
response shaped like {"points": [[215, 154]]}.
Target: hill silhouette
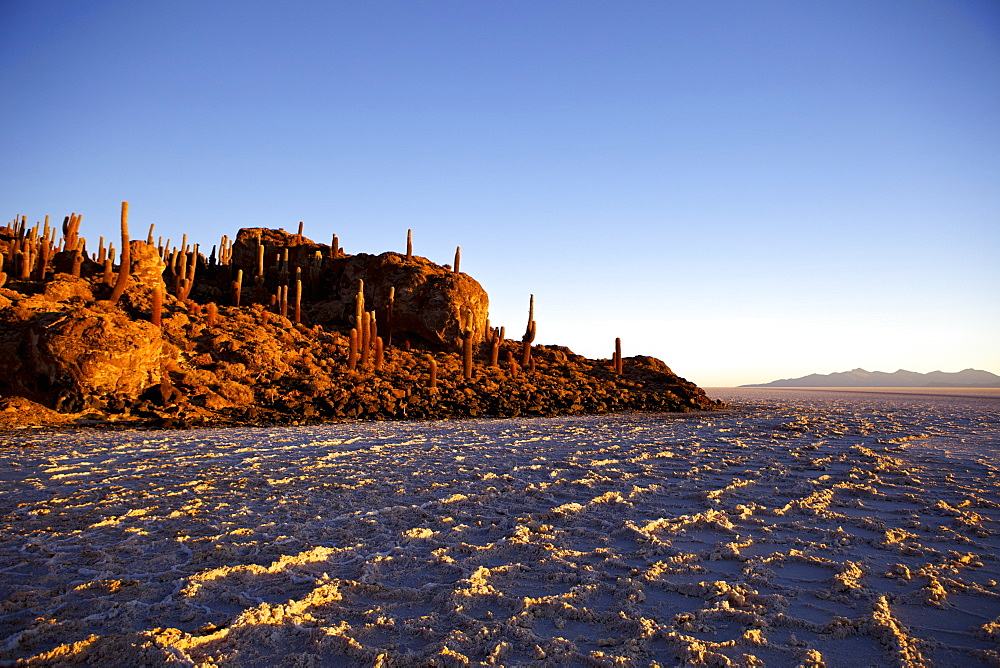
{"points": [[900, 378]]}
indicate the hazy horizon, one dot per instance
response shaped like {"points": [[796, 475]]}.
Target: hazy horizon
{"points": [[749, 192]]}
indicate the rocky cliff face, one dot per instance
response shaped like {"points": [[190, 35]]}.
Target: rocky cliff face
{"points": [[213, 361]]}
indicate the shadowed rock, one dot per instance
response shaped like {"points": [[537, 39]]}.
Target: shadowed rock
{"points": [[429, 299]]}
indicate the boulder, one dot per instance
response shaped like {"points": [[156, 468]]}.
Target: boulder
{"points": [[300, 249], [76, 356], [430, 300], [65, 288]]}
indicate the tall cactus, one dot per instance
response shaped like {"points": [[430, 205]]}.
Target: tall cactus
{"points": [[529, 334], [237, 287], [467, 345], [298, 301], [43, 258], [157, 312], [77, 259], [495, 348], [126, 260], [71, 227], [364, 337], [352, 350], [373, 329], [359, 302], [388, 316], [379, 353]]}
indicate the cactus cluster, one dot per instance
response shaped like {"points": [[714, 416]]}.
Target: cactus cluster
{"points": [[37, 254], [366, 348]]}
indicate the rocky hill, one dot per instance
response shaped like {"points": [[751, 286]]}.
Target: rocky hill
{"points": [[274, 328], [900, 378]]}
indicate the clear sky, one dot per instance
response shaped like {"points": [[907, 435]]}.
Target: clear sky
{"points": [[746, 190]]}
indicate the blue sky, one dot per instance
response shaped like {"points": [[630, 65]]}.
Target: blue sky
{"points": [[747, 190]]}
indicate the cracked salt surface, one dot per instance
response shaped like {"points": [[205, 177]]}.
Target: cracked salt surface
{"points": [[804, 528]]}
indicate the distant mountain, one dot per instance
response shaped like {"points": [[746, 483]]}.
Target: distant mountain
{"points": [[901, 378]]}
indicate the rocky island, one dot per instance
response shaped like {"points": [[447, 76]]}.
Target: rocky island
{"points": [[272, 327]]}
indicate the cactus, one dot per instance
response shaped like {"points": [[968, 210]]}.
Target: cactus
{"points": [[3, 276], [25, 267], [157, 315], [618, 356], [432, 382], [495, 349], [149, 238], [188, 263], [409, 244], [512, 364], [334, 247], [43, 259], [298, 301], [379, 353], [126, 259], [284, 270], [529, 333], [71, 226], [237, 287], [458, 258], [352, 350], [364, 337], [359, 301], [467, 354], [77, 262], [212, 315], [298, 235]]}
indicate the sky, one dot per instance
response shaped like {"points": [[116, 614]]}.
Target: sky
{"points": [[746, 190]]}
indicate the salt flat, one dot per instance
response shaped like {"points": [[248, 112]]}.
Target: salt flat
{"points": [[804, 528]]}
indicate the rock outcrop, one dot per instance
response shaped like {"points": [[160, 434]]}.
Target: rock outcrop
{"points": [[431, 302], [88, 357], [63, 345]]}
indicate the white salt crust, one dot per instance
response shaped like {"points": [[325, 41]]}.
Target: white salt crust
{"points": [[802, 530]]}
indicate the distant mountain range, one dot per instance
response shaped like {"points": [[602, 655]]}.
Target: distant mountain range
{"points": [[901, 378]]}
